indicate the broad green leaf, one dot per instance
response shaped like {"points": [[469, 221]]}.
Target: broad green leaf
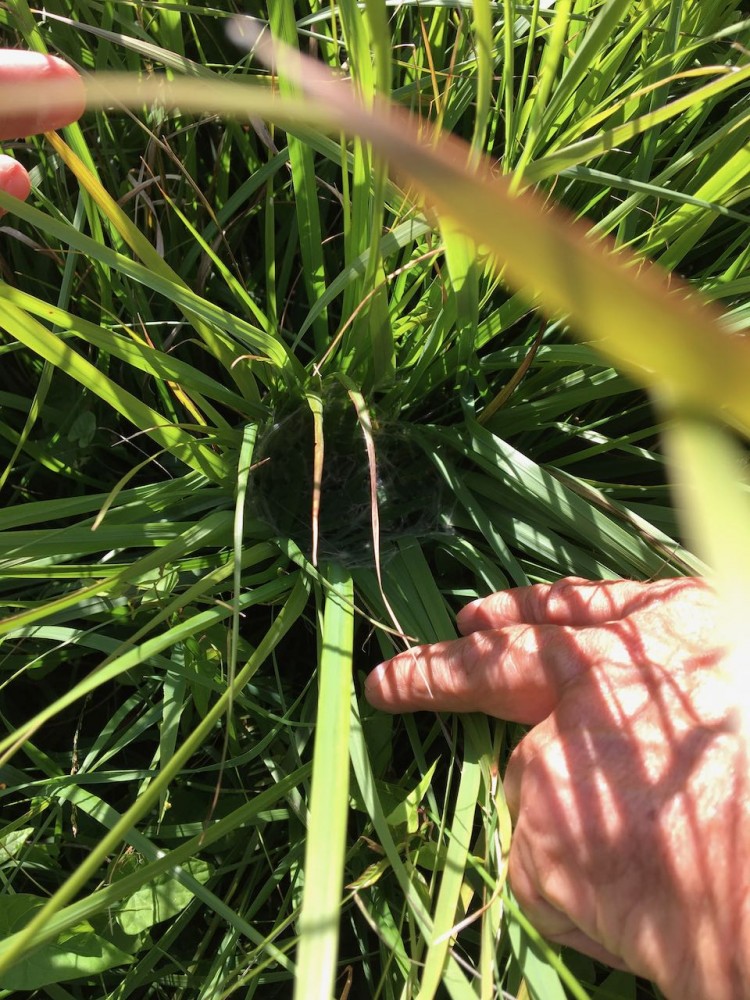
{"points": [[12, 842], [406, 811], [77, 953], [158, 900]]}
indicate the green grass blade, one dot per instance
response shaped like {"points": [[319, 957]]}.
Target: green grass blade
{"points": [[317, 953], [54, 350], [455, 981], [596, 145], [459, 831], [553, 51], [301, 160]]}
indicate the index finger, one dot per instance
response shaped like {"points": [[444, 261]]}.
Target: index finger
{"points": [[516, 673], [18, 67]]}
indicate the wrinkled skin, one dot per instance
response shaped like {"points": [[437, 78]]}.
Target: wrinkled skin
{"points": [[18, 67], [629, 794]]}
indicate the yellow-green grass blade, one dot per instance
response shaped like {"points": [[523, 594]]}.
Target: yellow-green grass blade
{"points": [[459, 832], [522, 106], [482, 521], [231, 282], [688, 224], [14, 947], [669, 48], [34, 39], [454, 979], [139, 355], [247, 335], [484, 43], [45, 379], [713, 494], [325, 849], [586, 149], [158, 862], [143, 499], [211, 530], [461, 261], [543, 969], [643, 321], [553, 52], [390, 243], [653, 189], [522, 480], [54, 350], [122, 661], [174, 60], [512, 91], [410, 571], [368, 343], [585, 58], [496, 843], [132, 235]]}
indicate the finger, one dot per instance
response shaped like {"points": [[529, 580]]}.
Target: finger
{"points": [[516, 673], [570, 601], [18, 67], [14, 179]]}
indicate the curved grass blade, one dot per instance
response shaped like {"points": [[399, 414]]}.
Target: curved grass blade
{"points": [[650, 324]]}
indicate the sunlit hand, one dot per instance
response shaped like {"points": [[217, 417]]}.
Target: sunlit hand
{"points": [[630, 794], [16, 68]]}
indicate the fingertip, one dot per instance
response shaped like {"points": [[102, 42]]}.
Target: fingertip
{"points": [[476, 603], [14, 179], [468, 612], [483, 613], [374, 686], [75, 94], [23, 69], [374, 677]]}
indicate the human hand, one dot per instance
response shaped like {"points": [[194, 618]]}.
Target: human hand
{"points": [[18, 67], [630, 794]]}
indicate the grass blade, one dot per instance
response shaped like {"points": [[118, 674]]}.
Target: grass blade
{"points": [[329, 801]]}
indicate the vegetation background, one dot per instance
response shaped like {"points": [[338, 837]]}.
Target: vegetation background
{"points": [[190, 304]]}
